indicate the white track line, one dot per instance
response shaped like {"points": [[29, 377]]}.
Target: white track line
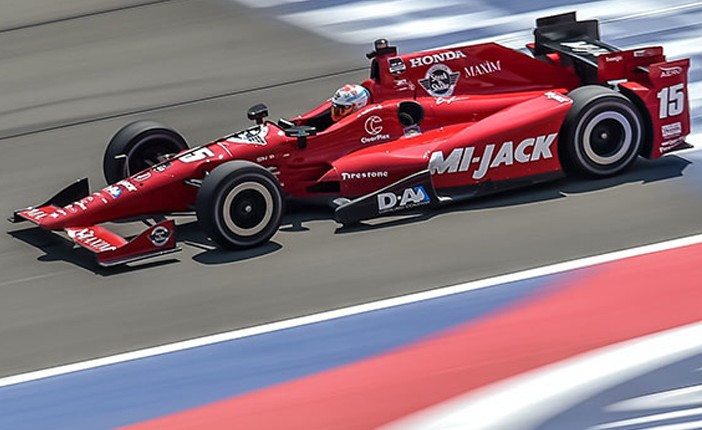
{"points": [[353, 310], [529, 399], [674, 415]]}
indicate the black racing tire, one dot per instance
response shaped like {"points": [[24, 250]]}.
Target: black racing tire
{"points": [[602, 133], [240, 205], [144, 143]]}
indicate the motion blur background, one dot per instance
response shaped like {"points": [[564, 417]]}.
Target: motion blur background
{"points": [[73, 72]]}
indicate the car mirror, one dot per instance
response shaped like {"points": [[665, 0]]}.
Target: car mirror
{"points": [[257, 113], [301, 132]]}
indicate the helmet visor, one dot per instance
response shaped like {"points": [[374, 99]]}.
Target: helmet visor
{"points": [[339, 111]]}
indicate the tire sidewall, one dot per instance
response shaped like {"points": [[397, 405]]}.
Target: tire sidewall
{"points": [[579, 155], [134, 138], [223, 187]]}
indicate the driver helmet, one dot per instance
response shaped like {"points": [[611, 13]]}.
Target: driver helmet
{"points": [[347, 99]]}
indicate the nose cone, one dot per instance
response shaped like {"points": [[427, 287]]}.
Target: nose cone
{"points": [[87, 211]]}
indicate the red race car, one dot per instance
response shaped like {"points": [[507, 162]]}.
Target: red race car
{"points": [[426, 129]]}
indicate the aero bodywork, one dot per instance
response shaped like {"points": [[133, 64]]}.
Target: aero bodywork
{"points": [[443, 125]]}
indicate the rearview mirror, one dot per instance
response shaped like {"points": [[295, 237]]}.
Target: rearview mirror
{"points": [[301, 132], [257, 113]]}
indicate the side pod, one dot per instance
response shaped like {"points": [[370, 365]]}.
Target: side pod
{"points": [[404, 196]]}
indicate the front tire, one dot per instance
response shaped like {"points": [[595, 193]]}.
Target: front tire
{"points": [[240, 205], [138, 146], [602, 133]]}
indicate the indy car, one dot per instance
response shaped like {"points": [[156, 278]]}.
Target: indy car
{"points": [[442, 126]]}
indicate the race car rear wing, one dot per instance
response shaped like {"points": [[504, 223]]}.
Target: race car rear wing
{"points": [[577, 42], [657, 86]]}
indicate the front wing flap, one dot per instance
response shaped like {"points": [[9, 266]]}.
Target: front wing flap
{"points": [[112, 249], [73, 192]]}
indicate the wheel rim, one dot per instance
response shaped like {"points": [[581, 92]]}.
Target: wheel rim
{"points": [[146, 152], [607, 138], [247, 209]]}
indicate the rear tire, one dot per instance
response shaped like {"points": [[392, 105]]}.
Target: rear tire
{"points": [[144, 143], [602, 133], [240, 205]]}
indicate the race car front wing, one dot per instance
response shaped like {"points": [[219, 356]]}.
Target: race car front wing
{"points": [[109, 248]]}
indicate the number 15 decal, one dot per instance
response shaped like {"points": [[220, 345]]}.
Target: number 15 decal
{"points": [[672, 101], [196, 154]]}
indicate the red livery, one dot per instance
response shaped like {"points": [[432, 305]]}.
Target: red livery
{"points": [[436, 127]]}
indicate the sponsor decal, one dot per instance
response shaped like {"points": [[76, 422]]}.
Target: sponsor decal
{"points": [[87, 237], [345, 176], [36, 214], [439, 81], [615, 59], [59, 212], [114, 191], [253, 136], [445, 100], [644, 53], [484, 68], [83, 203], [582, 47], [265, 158], [374, 125], [671, 130], [412, 130], [410, 198], [404, 85], [428, 60], [159, 236], [396, 65], [161, 167], [667, 72], [142, 176], [127, 185], [669, 145], [464, 159], [557, 97], [80, 204], [377, 138]]}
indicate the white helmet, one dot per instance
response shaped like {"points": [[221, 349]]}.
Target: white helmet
{"points": [[347, 99]]}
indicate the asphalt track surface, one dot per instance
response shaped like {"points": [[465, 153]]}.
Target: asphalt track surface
{"points": [[70, 77]]}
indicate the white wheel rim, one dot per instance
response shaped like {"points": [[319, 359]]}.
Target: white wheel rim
{"points": [[226, 213], [627, 142]]}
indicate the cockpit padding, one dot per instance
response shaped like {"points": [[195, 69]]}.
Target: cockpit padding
{"points": [[322, 121]]}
